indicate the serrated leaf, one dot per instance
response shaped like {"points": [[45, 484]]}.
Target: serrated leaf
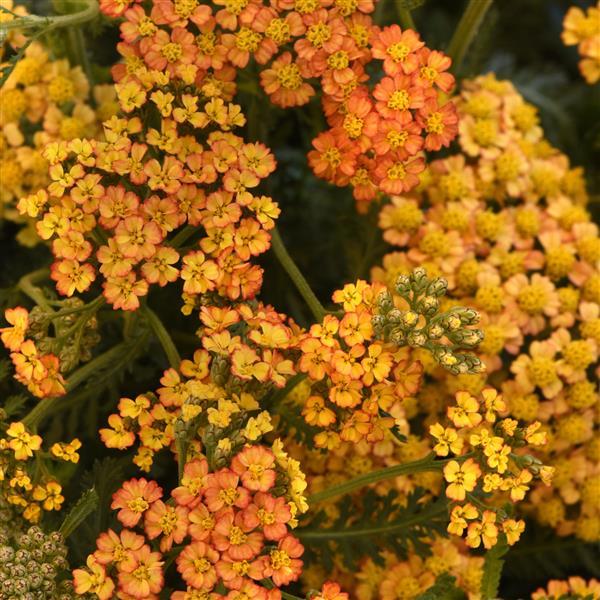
{"points": [[492, 569], [87, 504], [14, 404]]}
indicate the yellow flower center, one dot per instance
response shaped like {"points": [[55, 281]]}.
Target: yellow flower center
{"points": [[490, 298], [247, 39], [280, 559], [12, 174], [353, 125], [396, 139], [142, 573], [168, 521], [207, 43], [360, 35], [511, 264], [428, 73], [61, 89], [527, 222], [479, 105], [228, 496], [485, 132], [146, 27], [435, 123], [396, 171], [237, 536], [454, 187], [591, 329], [542, 371], [407, 217], [582, 394], [27, 71], [507, 166], [332, 156], [489, 225], [399, 100], [279, 31], [137, 505], [265, 517], [533, 298], [559, 262], [435, 244], [346, 7], [524, 407], [589, 248], [201, 565], [71, 128], [13, 105], [235, 7], [318, 34], [591, 289], [574, 215], [525, 116], [466, 276], [494, 339], [338, 60], [289, 76], [184, 8], [572, 428], [398, 52], [578, 354], [305, 7], [172, 51]]}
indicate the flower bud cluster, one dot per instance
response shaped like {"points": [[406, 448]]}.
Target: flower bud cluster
{"points": [[417, 322], [33, 566]]}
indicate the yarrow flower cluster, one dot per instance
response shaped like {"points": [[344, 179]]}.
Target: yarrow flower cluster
{"points": [[582, 29], [504, 221], [43, 100], [486, 459], [376, 132], [231, 526], [99, 226], [27, 488]]}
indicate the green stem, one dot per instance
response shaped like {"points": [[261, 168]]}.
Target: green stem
{"points": [[26, 285], [466, 31], [405, 18], [296, 276], [94, 365], [79, 52], [428, 463], [94, 305], [89, 11], [163, 337], [431, 511], [182, 236]]}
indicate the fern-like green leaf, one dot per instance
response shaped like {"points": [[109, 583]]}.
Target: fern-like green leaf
{"points": [[409, 4], [492, 569], [378, 523], [87, 504]]}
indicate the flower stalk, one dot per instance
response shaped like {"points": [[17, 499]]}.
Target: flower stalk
{"points": [[466, 31], [296, 276]]}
